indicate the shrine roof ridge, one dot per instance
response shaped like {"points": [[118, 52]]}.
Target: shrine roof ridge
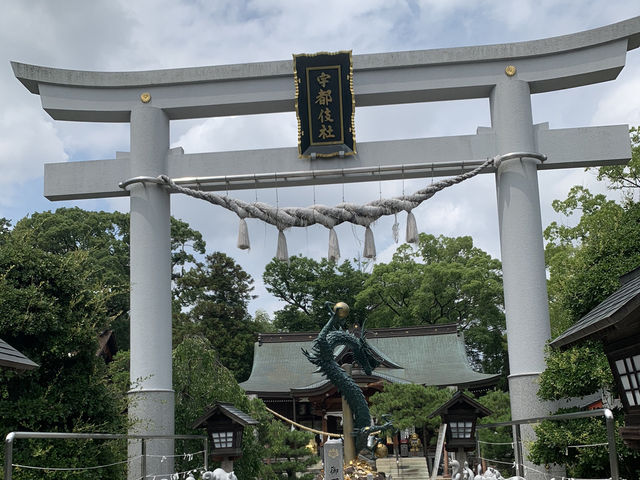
{"points": [[32, 75], [388, 332]]}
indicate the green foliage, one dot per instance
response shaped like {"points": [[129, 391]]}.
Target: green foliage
{"points": [[51, 304], [305, 285], [442, 280], [410, 405], [211, 301], [498, 402], [288, 449], [625, 177], [200, 380], [105, 237], [575, 372], [557, 444], [585, 261]]}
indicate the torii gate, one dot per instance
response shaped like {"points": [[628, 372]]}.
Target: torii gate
{"points": [[507, 74]]}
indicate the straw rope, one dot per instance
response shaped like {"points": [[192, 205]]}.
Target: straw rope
{"points": [[302, 427], [285, 217]]}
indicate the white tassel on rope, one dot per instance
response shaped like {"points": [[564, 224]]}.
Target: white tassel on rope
{"points": [[282, 253], [334, 247], [243, 235], [412, 228], [369, 244]]}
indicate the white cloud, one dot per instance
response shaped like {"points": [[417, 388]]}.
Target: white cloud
{"points": [[622, 102], [154, 34], [27, 140]]}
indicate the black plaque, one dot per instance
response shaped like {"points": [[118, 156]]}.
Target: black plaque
{"points": [[325, 104]]}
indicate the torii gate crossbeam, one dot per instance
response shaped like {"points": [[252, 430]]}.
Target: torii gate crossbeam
{"points": [[392, 78]]}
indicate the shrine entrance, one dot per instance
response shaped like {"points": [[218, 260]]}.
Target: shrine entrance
{"points": [[506, 74]]}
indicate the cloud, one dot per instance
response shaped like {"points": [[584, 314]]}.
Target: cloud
{"points": [[622, 101], [27, 140], [116, 35]]}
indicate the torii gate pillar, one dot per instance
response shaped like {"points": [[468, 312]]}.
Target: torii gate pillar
{"points": [[151, 406], [523, 265]]}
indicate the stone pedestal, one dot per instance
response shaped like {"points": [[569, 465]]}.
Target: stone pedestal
{"points": [[333, 460]]}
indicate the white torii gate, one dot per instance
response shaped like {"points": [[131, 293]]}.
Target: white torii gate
{"points": [[507, 74]]}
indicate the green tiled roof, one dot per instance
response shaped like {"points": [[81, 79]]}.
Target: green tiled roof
{"points": [[432, 355]]}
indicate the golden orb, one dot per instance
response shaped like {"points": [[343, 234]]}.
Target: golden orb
{"points": [[510, 70], [381, 451], [341, 309]]}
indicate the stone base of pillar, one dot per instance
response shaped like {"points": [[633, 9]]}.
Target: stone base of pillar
{"points": [[523, 390], [151, 412]]}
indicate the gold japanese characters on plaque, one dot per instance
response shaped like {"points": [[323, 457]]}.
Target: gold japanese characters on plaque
{"points": [[325, 104]]}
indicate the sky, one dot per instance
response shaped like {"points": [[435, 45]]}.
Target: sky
{"points": [[126, 35]]}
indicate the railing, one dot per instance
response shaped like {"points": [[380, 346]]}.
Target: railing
{"points": [[605, 412], [13, 436]]}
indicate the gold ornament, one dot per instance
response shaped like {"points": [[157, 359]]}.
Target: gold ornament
{"points": [[381, 451], [510, 70], [145, 97], [341, 309], [312, 447]]}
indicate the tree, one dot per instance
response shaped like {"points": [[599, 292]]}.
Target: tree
{"points": [[410, 405], [496, 443], [442, 280], [289, 450], [577, 372], [50, 305], [105, 236], [213, 298], [305, 285], [625, 177], [200, 380], [585, 262], [556, 443]]}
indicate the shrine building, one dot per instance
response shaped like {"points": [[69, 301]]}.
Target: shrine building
{"points": [[289, 384]]}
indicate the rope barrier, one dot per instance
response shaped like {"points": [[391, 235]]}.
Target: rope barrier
{"points": [[589, 445], [74, 469], [496, 443], [186, 456], [302, 427]]}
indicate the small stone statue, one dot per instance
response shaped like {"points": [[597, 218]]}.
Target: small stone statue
{"points": [[219, 474]]}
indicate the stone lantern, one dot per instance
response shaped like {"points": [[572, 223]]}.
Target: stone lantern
{"points": [[225, 425], [460, 415]]}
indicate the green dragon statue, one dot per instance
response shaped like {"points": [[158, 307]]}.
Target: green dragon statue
{"points": [[322, 355]]}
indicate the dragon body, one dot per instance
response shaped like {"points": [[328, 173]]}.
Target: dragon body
{"points": [[330, 337]]}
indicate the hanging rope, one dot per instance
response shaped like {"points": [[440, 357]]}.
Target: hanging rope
{"points": [[285, 217], [302, 427]]}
